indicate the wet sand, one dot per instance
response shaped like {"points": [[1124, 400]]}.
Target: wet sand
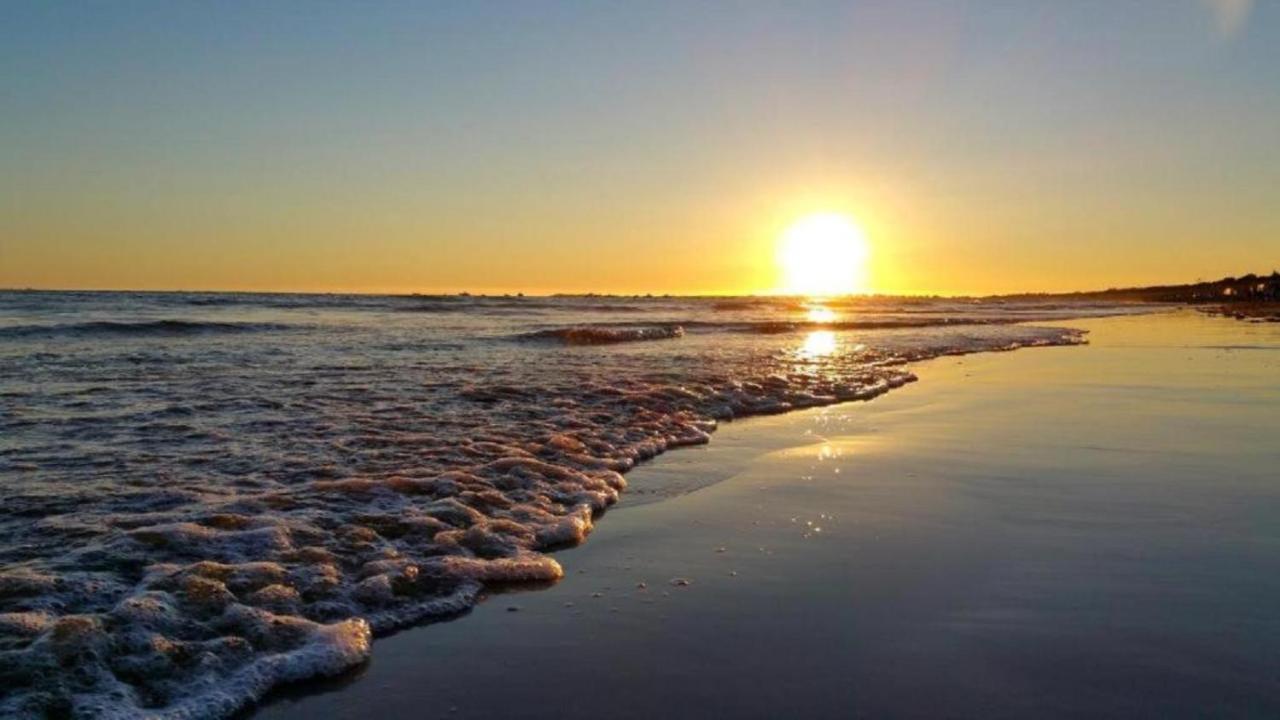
{"points": [[1058, 532]]}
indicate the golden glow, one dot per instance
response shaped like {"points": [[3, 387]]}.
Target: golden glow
{"points": [[819, 343], [389, 240], [823, 254]]}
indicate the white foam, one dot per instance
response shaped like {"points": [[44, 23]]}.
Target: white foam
{"points": [[270, 536]]}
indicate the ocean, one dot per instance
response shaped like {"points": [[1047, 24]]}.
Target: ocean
{"points": [[210, 494]]}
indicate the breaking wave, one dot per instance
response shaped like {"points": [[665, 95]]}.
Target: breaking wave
{"points": [[152, 328], [598, 335]]}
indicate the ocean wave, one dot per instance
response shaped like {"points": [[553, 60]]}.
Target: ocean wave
{"points": [[607, 333], [603, 335], [625, 331], [773, 327], [515, 306], [176, 547], [145, 328], [754, 303], [430, 307]]}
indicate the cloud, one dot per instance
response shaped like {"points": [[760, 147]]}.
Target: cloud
{"points": [[1228, 15]]}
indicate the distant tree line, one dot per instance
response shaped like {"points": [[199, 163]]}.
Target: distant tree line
{"points": [[1246, 288]]}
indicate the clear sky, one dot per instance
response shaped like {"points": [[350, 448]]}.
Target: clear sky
{"points": [[983, 146]]}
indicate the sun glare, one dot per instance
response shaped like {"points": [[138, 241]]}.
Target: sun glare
{"points": [[823, 254], [817, 344]]}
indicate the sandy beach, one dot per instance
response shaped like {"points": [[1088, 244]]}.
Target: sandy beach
{"points": [[1059, 532], [849, 358]]}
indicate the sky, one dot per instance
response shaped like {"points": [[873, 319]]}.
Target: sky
{"points": [[982, 147]]}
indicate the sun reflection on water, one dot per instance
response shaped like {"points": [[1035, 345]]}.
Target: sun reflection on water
{"points": [[819, 343]]}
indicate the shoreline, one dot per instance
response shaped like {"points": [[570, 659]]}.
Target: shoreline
{"points": [[654, 567], [344, 580]]}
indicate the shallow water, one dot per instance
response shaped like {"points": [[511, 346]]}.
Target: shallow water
{"points": [[1084, 532], [209, 494]]}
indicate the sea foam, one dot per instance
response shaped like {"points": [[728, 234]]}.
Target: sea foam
{"points": [[187, 525]]}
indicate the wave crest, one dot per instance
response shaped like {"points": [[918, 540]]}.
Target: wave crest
{"points": [[597, 335], [145, 328]]}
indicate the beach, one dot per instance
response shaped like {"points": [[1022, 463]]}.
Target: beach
{"points": [[1058, 532], [209, 495], [871, 507], [570, 360]]}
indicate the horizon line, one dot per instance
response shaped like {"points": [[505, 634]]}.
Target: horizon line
{"points": [[498, 294]]}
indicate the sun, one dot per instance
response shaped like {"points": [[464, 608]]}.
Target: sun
{"points": [[823, 254]]}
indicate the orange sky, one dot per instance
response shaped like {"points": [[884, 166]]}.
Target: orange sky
{"points": [[984, 149]]}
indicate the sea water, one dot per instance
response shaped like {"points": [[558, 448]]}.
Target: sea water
{"points": [[208, 494]]}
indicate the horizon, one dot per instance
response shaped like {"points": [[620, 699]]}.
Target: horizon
{"points": [[562, 148], [588, 293]]}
